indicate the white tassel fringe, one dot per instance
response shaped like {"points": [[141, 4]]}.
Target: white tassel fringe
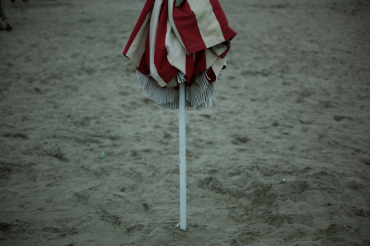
{"points": [[169, 98]]}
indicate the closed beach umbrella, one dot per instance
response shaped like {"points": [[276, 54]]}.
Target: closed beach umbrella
{"points": [[178, 48]]}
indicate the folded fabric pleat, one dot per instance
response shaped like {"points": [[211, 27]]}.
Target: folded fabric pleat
{"points": [[180, 42]]}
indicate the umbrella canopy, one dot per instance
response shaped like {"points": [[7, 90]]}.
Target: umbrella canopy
{"points": [[177, 41]]}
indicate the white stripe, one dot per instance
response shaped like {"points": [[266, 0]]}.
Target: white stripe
{"points": [[219, 49], [218, 65], [208, 24], [178, 2], [137, 48], [152, 39], [211, 57], [176, 52]]}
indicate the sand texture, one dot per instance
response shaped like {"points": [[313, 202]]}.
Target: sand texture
{"points": [[281, 158]]}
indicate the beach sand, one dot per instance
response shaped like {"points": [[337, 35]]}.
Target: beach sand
{"points": [[281, 158]]}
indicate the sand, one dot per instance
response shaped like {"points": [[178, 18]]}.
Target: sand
{"points": [[282, 157]]}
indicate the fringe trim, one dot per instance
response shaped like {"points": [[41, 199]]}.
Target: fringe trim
{"points": [[154, 91], [169, 98], [219, 77], [200, 99]]}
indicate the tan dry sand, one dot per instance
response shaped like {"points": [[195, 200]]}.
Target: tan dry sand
{"points": [[282, 158]]}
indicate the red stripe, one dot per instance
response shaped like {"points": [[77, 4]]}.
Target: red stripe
{"points": [[187, 26], [147, 51], [200, 63], [164, 69], [211, 75], [143, 68], [144, 62], [221, 17], [189, 66], [147, 7]]}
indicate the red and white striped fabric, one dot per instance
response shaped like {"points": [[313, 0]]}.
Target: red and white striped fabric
{"points": [[176, 41]]}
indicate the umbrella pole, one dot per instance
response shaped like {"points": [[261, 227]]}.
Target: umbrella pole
{"points": [[182, 154]]}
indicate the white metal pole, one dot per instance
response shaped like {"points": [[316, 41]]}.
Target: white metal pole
{"points": [[182, 153]]}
